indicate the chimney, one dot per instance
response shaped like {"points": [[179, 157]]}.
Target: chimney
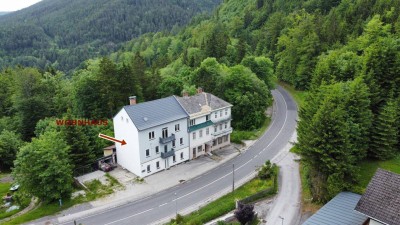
{"points": [[132, 100], [199, 90], [185, 94]]}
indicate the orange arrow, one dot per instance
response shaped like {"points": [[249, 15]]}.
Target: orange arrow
{"points": [[112, 139]]}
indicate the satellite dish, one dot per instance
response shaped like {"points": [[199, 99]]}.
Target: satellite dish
{"points": [[145, 119]]}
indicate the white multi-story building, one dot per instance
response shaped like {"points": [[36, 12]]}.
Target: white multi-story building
{"points": [[155, 133], [168, 131], [209, 122]]}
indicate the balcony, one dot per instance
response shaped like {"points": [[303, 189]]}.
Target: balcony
{"points": [[167, 139], [165, 155], [222, 119], [200, 126], [224, 131]]}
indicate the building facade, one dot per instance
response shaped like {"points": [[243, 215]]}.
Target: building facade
{"points": [[165, 132], [155, 133], [209, 122]]}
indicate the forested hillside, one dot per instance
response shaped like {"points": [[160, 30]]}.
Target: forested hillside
{"points": [[63, 34], [346, 53]]}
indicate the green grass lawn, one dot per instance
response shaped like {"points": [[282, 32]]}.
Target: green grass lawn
{"points": [[368, 168], [4, 189], [226, 203], [96, 190]]}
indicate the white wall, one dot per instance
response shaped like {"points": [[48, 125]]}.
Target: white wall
{"points": [[127, 155], [373, 222], [162, 162], [146, 143], [216, 114]]}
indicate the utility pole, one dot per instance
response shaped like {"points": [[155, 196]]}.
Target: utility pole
{"points": [[176, 206], [281, 219], [233, 177]]}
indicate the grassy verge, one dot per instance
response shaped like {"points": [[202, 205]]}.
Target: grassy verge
{"points": [[227, 202], [306, 198], [95, 190], [238, 136], [299, 96]]}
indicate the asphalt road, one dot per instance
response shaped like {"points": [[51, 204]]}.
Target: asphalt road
{"points": [[164, 204]]}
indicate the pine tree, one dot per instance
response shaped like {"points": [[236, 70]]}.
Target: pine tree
{"points": [[139, 71], [108, 82], [81, 153], [332, 135], [385, 132]]}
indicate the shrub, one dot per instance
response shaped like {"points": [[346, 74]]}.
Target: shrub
{"points": [[244, 213], [267, 171]]}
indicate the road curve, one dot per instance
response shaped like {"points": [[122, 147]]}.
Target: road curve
{"points": [[164, 204]]}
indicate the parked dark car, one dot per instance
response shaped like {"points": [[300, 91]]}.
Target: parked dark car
{"points": [[106, 167]]}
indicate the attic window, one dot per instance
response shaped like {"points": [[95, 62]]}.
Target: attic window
{"points": [[122, 118], [127, 120]]}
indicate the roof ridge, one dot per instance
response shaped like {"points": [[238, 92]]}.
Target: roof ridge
{"points": [[205, 96], [175, 97]]}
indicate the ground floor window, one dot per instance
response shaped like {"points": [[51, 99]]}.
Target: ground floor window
{"points": [[199, 149], [173, 159], [214, 142], [148, 168], [219, 140], [181, 155], [226, 137], [158, 165]]}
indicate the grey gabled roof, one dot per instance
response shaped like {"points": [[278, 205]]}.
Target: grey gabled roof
{"points": [[381, 200], [153, 113], [193, 104], [339, 211]]}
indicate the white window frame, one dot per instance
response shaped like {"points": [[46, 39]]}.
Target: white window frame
{"points": [[151, 135]]}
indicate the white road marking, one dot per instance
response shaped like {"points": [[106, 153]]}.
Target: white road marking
{"points": [[128, 217]]}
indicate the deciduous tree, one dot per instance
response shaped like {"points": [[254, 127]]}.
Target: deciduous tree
{"points": [[43, 168]]}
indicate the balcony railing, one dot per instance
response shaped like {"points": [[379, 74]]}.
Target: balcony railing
{"points": [[165, 155], [222, 119], [167, 139], [224, 131]]}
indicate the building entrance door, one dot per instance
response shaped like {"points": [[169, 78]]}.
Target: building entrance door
{"points": [[207, 147]]}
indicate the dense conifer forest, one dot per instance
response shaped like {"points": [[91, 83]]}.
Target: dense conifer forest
{"points": [[62, 34]]}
